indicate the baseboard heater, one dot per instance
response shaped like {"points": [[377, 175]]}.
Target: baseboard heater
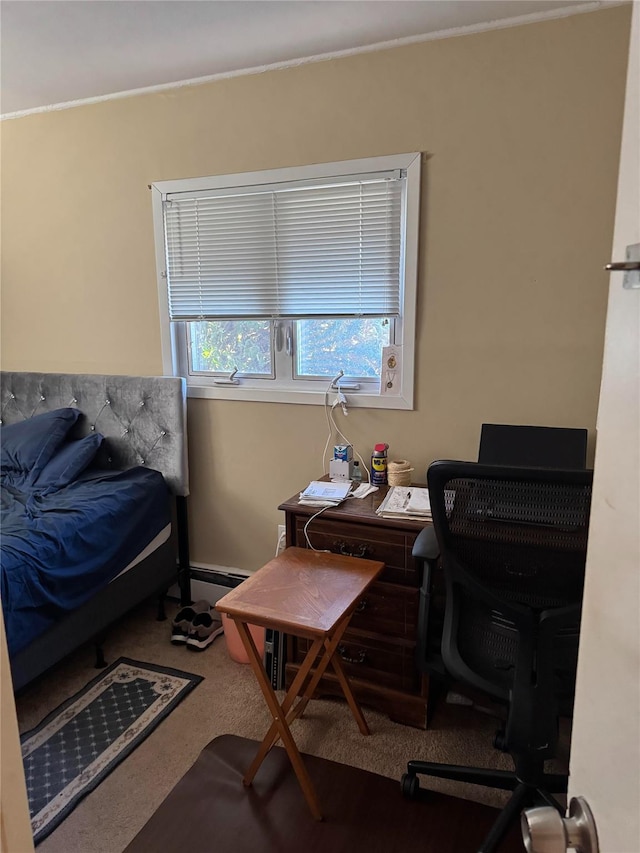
{"points": [[226, 579], [208, 584]]}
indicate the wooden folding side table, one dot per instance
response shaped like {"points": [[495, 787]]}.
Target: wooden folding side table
{"points": [[311, 594]]}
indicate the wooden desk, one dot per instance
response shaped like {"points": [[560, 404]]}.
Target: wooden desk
{"points": [[311, 595], [378, 651]]}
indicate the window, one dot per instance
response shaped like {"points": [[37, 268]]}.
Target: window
{"points": [[272, 284]]}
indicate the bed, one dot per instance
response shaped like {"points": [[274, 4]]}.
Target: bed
{"points": [[82, 547]]}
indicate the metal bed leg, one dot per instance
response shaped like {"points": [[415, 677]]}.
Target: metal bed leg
{"points": [[162, 614], [100, 661], [184, 565]]}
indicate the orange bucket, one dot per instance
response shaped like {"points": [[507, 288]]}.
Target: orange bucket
{"points": [[235, 646]]}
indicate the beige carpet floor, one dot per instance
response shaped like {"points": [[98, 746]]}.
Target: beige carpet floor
{"points": [[229, 701]]}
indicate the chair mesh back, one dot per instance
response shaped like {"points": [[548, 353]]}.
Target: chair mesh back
{"points": [[520, 536], [527, 540]]}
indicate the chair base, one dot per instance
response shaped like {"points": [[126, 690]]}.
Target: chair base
{"points": [[538, 789]]}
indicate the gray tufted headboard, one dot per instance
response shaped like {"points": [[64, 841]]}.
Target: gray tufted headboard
{"points": [[143, 418]]}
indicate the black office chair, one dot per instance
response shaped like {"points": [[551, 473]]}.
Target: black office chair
{"points": [[513, 548], [500, 444]]}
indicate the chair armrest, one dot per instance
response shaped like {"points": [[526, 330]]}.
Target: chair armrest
{"points": [[426, 550], [426, 545]]}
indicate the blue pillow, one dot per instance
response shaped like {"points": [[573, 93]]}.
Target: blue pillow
{"points": [[69, 462], [28, 445]]}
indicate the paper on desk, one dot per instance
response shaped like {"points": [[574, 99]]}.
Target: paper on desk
{"points": [[399, 499], [418, 503], [318, 490]]}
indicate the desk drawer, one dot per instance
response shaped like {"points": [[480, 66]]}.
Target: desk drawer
{"points": [[388, 609], [392, 547], [373, 660]]}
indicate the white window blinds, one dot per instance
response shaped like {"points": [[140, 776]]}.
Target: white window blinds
{"points": [[333, 248]]}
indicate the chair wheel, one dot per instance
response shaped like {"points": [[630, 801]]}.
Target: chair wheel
{"points": [[410, 785], [499, 741]]}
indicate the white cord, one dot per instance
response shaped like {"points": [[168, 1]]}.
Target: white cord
{"points": [[326, 444], [306, 535], [346, 441], [315, 515], [340, 400], [279, 543], [326, 414]]}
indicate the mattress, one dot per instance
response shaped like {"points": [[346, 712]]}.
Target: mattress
{"points": [[148, 550], [60, 548]]}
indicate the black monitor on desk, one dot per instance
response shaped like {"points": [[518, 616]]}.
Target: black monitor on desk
{"points": [[533, 446]]}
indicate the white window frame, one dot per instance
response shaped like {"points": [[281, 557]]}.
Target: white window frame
{"points": [[286, 389]]}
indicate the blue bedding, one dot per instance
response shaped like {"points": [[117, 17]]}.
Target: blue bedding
{"points": [[63, 543]]}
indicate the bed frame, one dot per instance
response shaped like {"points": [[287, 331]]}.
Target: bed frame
{"points": [[143, 420]]}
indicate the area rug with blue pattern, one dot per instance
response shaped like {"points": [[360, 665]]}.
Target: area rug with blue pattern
{"points": [[76, 746]]}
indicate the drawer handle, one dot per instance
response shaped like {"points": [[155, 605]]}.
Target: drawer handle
{"points": [[362, 605], [342, 548], [342, 651]]}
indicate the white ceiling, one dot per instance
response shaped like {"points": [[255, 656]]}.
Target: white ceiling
{"points": [[56, 51]]}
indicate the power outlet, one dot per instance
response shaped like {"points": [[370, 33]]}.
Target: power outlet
{"points": [[281, 543]]}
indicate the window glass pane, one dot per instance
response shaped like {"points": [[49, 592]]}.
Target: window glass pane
{"points": [[324, 347], [221, 346]]}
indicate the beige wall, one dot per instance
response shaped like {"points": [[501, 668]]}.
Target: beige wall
{"points": [[520, 130]]}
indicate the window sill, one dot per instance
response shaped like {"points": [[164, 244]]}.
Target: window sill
{"points": [[355, 399]]}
